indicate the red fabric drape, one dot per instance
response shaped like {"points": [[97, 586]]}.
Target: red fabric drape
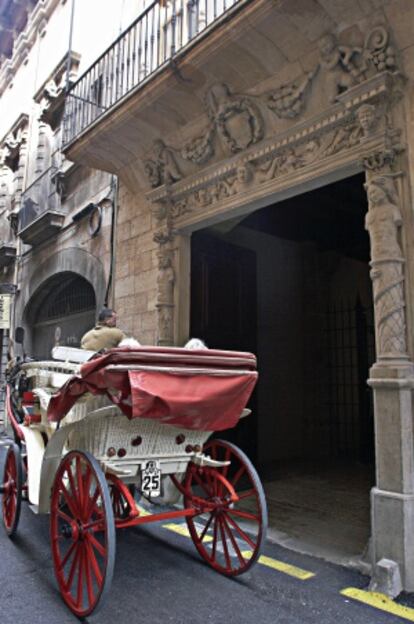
{"points": [[173, 393]]}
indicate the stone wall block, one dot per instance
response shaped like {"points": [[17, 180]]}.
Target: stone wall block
{"points": [[124, 286], [144, 281], [149, 320]]}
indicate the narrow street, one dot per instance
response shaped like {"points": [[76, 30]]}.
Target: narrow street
{"points": [[160, 578]]}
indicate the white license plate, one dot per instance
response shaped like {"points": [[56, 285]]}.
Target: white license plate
{"points": [[151, 478]]}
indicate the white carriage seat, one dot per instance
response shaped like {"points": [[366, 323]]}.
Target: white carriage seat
{"points": [[71, 354]]}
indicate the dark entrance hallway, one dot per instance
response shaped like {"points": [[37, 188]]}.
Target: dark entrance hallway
{"points": [[291, 283]]}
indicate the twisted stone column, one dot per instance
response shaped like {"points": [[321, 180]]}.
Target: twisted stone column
{"points": [[383, 222]]}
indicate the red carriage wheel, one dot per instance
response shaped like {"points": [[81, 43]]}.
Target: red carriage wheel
{"points": [[11, 489], [231, 528], [120, 505], [82, 532]]}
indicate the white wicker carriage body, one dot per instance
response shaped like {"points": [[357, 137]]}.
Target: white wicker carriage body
{"points": [[96, 425]]}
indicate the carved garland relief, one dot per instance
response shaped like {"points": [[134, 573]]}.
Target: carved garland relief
{"points": [[236, 122]]}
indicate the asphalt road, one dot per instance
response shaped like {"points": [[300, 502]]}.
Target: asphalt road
{"points": [[159, 578]]}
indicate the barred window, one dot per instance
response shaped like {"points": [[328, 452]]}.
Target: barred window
{"points": [[64, 295]]}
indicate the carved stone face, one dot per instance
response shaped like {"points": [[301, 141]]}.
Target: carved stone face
{"points": [[244, 174], [366, 117], [327, 45], [204, 196], [376, 194], [164, 262]]}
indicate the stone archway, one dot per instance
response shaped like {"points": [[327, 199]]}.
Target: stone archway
{"points": [[72, 261], [61, 310]]}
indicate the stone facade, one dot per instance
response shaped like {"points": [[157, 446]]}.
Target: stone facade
{"points": [[56, 218], [282, 98]]}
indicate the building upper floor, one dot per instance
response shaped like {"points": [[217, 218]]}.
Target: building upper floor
{"points": [[45, 45]]}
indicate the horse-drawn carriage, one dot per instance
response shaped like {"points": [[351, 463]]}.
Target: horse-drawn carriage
{"points": [[91, 439]]}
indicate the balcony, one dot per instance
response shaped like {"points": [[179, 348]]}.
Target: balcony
{"points": [[41, 215], [156, 38], [7, 253]]}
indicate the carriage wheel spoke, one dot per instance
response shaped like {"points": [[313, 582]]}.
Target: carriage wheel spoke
{"points": [[238, 474], [243, 514], [233, 541], [94, 563], [87, 485], [242, 534], [72, 569], [67, 556], [202, 484], [91, 507], [88, 575], [101, 550], [69, 500], [79, 589], [64, 516], [74, 492], [224, 471], [247, 494], [215, 535], [79, 479], [224, 541], [203, 534]]}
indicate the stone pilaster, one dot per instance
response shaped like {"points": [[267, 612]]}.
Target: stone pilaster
{"points": [[391, 377], [20, 173], [166, 277]]}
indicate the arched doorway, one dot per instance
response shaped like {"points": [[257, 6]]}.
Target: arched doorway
{"points": [[61, 310]]}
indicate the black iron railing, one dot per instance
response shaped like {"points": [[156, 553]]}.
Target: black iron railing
{"points": [[162, 31], [40, 197]]}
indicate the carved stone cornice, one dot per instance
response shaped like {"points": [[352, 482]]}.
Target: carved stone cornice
{"points": [[356, 124], [51, 94], [236, 122]]}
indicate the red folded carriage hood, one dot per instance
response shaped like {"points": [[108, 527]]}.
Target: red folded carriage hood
{"points": [[196, 389]]}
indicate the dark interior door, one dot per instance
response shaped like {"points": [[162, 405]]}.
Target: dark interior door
{"points": [[223, 310]]}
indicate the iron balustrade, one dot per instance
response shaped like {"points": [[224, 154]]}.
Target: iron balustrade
{"points": [[40, 197], [155, 38]]}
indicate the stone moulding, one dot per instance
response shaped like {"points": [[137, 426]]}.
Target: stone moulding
{"points": [[357, 121], [237, 121]]}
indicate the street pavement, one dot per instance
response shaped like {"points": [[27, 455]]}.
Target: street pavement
{"points": [[159, 578]]}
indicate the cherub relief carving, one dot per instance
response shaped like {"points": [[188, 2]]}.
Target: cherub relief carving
{"points": [[342, 64], [163, 169]]}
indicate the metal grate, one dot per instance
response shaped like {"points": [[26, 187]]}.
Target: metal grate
{"points": [[72, 298], [351, 351]]}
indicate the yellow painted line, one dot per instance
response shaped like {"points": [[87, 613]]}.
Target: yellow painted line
{"points": [[142, 511], [379, 601], [281, 566], [181, 529]]}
